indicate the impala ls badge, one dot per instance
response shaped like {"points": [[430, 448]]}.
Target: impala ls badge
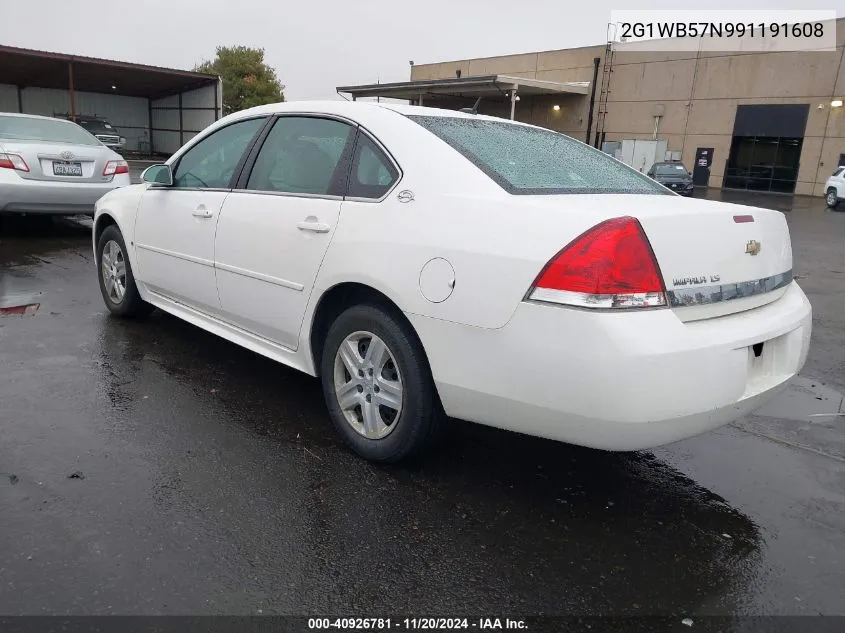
{"points": [[695, 281], [753, 247]]}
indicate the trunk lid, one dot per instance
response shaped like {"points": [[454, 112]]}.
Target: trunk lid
{"points": [[716, 258], [57, 162]]}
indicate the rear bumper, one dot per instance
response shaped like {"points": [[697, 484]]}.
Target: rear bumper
{"points": [[24, 196], [616, 381]]}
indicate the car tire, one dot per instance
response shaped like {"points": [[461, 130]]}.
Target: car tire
{"points": [[380, 422], [831, 198], [121, 295]]}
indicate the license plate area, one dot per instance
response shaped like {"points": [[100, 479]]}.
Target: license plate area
{"points": [[767, 358], [67, 168]]}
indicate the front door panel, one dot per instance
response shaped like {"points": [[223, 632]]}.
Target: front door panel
{"points": [[174, 244]]}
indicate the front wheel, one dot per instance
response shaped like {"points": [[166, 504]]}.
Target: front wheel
{"points": [[117, 283], [831, 198], [378, 385]]}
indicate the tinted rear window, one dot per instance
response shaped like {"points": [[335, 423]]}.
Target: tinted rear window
{"points": [[528, 160], [47, 130]]}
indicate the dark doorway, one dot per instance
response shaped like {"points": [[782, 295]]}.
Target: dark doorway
{"points": [[842, 160], [766, 147], [763, 163], [701, 168]]}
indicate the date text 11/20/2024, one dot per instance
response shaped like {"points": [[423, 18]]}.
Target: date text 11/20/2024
{"points": [[428, 624]]}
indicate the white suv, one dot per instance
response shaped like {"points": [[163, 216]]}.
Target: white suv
{"points": [[834, 189]]}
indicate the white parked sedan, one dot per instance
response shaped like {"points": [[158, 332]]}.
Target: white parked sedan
{"points": [[54, 167], [423, 261], [834, 188]]}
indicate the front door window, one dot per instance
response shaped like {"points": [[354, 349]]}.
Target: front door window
{"points": [[211, 163]]}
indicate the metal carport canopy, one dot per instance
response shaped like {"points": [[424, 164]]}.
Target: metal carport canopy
{"points": [[26, 68], [478, 86]]}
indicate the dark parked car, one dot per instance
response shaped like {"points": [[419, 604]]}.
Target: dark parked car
{"points": [[673, 175], [102, 129]]}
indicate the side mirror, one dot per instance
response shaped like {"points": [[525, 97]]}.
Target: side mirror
{"points": [[158, 175]]}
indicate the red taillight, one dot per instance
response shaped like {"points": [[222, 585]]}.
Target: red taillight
{"points": [[114, 167], [13, 161], [609, 266]]}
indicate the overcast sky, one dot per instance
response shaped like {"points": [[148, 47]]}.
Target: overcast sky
{"points": [[316, 45]]}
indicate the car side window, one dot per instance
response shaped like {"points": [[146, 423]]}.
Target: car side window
{"points": [[303, 155], [373, 174], [839, 172], [211, 163]]}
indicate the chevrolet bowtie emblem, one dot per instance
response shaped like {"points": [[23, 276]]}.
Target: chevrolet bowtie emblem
{"points": [[753, 247]]}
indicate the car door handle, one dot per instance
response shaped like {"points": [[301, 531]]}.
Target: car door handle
{"points": [[313, 226], [202, 212]]}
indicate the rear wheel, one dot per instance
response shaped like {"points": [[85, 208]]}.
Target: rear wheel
{"points": [[117, 284], [378, 385], [831, 198]]}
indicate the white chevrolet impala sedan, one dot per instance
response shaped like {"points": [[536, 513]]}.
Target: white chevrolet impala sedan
{"points": [[427, 264]]}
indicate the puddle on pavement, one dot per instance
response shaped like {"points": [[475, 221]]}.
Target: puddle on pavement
{"points": [[806, 400], [23, 310], [19, 304]]}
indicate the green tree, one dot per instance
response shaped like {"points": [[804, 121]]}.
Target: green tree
{"points": [[247, 80]]}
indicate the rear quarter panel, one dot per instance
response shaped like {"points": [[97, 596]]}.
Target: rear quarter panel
{"points": [[497, 243]]}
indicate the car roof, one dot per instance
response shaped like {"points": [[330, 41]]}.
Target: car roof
{"points": [[33, 116], [349, 108]]}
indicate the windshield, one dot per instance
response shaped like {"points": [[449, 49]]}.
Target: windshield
{"points": [[50, 130], [528, 160], [96, 124], [675, 169]]}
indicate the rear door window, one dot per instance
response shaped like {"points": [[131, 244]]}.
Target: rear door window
{"points": [[303, 155], [373, 173]]}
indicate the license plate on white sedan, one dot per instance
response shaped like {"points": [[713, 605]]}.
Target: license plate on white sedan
{"points": [[67, 169]]}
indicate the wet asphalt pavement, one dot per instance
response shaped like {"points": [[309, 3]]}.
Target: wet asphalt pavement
{"points": [[151, 468]]}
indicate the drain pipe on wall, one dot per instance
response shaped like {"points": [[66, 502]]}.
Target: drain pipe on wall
{"points": [[657, 112], [596, 62]]}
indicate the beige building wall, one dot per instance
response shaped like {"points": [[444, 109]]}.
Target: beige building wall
{"points": [[698, 94]]}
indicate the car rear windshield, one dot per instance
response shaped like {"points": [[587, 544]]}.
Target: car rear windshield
{"points": [[674, 169], [48, 130], [534, 161]]}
